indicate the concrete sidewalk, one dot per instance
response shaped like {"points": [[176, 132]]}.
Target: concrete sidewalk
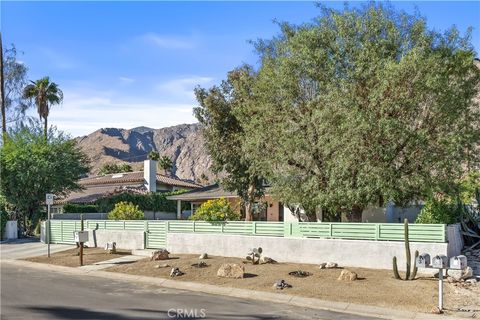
{"points": [[28, 247], [344, 307], [111, 263]]}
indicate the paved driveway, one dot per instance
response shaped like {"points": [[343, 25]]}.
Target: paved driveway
{"points": [[29, 247]]}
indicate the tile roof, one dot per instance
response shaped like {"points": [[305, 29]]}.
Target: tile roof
{"points": [[93, 193], [135, 177], [213, 191]]}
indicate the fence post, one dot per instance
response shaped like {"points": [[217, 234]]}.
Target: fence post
{"points": [[105, 224], [145, 234], [193, 226], [444, 232], [168, 226], [221, 225], [61, 231], [254, 227], [331, 230], [123, 224], [377, 231]]}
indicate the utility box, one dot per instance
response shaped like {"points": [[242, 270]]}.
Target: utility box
{"points": [[423, 261], [440, 261], [80, 236], [458, 262]]}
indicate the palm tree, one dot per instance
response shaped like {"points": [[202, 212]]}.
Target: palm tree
{"points": [[165, 163], [46, 94]]}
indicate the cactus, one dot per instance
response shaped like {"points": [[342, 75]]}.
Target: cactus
{"points": [[414, 272], [408, 258], [254, 255]]}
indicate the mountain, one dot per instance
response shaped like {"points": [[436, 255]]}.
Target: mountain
{"points": [[182, 143]]}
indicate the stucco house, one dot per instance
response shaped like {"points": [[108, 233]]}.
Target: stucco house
{"points": [[148, 180], [266, 209]]}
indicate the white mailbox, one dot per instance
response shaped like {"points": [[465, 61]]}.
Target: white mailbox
{"points": [[458, 262], [423, 260], [80, 236], [440, 261]]}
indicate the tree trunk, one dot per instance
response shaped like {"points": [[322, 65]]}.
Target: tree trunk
{"points": [[355, 214], [249, 203], [248, 211], [46, 129], [2, 94]]}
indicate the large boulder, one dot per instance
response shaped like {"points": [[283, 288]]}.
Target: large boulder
{"points": [[161, 254], [458, 275], [231, 270], [347, 275], [331, 265]]}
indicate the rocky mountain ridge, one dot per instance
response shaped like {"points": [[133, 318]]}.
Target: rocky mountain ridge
{"points": [[182, 143]]}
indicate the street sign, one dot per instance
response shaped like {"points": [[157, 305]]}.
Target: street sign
{"points": [[49, 199]]}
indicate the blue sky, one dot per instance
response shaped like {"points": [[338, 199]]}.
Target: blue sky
{"points": [[128, 64]]}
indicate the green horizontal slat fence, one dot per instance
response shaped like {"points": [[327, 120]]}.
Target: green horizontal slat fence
{"points": [[156, 231]]}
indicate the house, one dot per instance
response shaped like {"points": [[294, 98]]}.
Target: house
{"points": [[266, 209], [148, 180]]}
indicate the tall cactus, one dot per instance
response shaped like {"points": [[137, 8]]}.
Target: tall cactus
{"points": [[408, 258]]}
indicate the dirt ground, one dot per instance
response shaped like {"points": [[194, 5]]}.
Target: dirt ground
{"points": [[70, 258], [374, 287]]}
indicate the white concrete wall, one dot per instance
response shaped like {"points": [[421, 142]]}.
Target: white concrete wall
{"points": [[455, 240], [125, 239], [11, 230], [351, 253]]}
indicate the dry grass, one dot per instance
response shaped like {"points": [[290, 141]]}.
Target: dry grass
{"points": [[70, 258], [375, 287]]}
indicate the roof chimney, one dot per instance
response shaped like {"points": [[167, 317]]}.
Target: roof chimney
{"points": [[150, 175]]}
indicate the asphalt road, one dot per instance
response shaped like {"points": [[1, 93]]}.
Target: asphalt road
{"points": [[30, 294]]}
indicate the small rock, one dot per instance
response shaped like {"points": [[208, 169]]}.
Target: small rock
{"points": [[231, 270], [203, 256], [176, 272], [264, 260], [347, 275], [471, 280], [330, 265], [158, 266], [322, 265], [281, 284], [436, 310], [161, 254]]}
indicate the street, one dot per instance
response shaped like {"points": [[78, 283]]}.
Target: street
{"points": [[30, 294]]}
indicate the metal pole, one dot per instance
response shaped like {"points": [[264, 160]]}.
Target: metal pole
{"points": [[440, 290], [48, 230]]}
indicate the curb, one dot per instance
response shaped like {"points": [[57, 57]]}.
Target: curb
{"points": [[313, 303]]}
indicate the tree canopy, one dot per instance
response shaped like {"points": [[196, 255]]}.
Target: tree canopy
{"points": [[364, 106], [359, 107], [223, 112], [109, 168], [31, 167]]}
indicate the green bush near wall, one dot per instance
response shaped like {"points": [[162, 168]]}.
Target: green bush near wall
{"points": [[156, 202], [79, 208]]}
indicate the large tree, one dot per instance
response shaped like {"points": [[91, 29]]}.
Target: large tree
{"points": [[30, 167], [45, 94], [13, 79], [223, 112], [363, 106]]}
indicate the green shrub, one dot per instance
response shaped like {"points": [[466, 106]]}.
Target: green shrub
{"points": [[156, 202], [439, 211], [79, 208], [126, 211], [215, 210]]}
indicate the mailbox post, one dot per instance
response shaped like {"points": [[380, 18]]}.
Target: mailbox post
{"points": [[48, 201], [440, 262]]}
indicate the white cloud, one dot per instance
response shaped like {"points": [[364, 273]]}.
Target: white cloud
{"points": [[126, 80], [85, 111], [168, 42], [183, 87], [57, 59]]}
